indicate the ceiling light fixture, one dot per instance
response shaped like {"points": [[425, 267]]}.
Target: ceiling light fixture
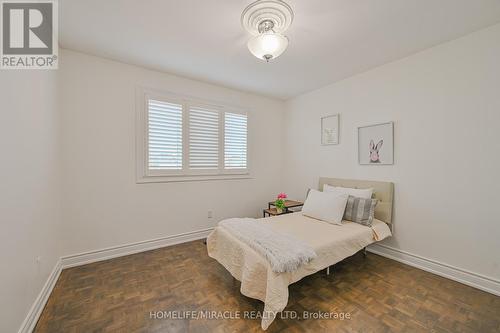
{"points": [[267, 20]]}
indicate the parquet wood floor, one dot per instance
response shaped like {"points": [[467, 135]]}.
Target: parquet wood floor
{"points": [[380, 294]]}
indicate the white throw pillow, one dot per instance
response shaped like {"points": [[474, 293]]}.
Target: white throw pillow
{"points": [[325, 206], [364, 193]]}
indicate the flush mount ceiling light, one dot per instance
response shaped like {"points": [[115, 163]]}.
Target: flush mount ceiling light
{"points": [[267, 20]]}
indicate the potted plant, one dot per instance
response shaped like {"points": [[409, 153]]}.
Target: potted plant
{"points": [[280, 202]]}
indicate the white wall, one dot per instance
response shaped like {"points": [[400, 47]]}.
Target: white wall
{"points": [[103, 206], [445, 103], [30, 191]]}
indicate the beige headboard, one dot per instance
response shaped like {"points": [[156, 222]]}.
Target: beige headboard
{"points": [[383, 191]]}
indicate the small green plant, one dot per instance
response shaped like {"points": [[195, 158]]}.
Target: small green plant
{"points": [[280, 202]]}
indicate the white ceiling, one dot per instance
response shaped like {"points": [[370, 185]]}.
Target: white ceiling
{"points": [[329, 39]]}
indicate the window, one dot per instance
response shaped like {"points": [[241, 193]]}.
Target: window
{"points": [[235, 141], [203, 139], [165, 135], [182, 139]]}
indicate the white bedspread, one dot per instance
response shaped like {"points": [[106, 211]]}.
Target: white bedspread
{"points": [[332, 243]]}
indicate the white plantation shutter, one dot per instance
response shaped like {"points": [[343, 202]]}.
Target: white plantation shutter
{"points": [[203, 138], [180, 138], [164, 135], [235, 141]]}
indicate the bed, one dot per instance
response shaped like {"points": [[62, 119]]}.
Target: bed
{"points": [[332, 243]]}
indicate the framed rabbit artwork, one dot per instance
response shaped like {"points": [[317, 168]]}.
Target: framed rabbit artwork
{"points": [[376, 144]]}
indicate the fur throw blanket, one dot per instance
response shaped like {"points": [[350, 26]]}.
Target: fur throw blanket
{"points": [[285, 253]]}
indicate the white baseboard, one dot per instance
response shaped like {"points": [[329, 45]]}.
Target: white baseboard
{"points": [[93, 256], [475, 280], [126, 249], [34, 313], [472, 279]]}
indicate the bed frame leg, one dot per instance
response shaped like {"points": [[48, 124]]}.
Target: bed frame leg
{"points": [[328, 270], [364, 252]]}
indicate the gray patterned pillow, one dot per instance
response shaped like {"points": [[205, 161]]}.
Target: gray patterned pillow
{"points": [[360, 210]]}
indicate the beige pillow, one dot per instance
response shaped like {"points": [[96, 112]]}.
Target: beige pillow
{"points": [[365, 193]]}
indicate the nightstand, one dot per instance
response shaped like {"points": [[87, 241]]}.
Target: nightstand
{"points": [[288, 204]]}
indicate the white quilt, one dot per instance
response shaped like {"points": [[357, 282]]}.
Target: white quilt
{"points": [[332, 243]]}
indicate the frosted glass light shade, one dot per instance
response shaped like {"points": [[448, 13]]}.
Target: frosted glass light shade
{"points": [[268, 45]]}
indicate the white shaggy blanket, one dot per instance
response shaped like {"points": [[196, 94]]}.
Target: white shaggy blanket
{"points": [[284, 252]]}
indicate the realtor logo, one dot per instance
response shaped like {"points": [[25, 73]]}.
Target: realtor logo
{"points": [[29, 34]]}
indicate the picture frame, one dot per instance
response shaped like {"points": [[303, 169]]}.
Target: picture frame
{"points": [[330, 130], [376, 144]]}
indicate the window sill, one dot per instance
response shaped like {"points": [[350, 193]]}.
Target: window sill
{"points": [[170, 179]]}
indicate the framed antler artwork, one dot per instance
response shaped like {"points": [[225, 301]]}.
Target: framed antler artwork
{"points": [[330, 130], [376, 144]]}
